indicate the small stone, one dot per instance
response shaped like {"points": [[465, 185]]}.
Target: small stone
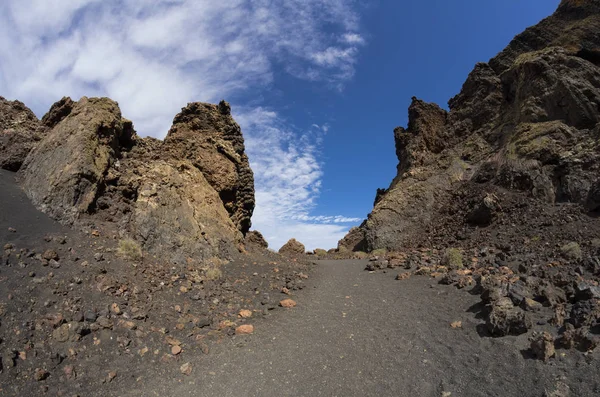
{"points": [[177, 308], [542, 346], [111, 375], [69, 371], [115, 308], [54, 264], [49, 255], [12, 230], [245, 329], [104, 322], [175, 350], [62, 333], [90, 316], [456, 324], [285, 291], [40, 374], [245, 313], [186, 369], [530, 305], [287, 303], [98, 256], [403, 276]]}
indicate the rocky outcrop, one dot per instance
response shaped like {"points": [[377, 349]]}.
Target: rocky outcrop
{"points": [[208, 137], [188, 197], [255, 238], [292, 248], [64, 174], [20, 130], [353, 241], [527, 121]]}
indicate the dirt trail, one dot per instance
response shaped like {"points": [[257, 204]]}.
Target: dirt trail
{"points": [[354, 333]]}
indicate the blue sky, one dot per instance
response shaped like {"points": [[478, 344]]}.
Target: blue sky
{"points": [[317, 85]]}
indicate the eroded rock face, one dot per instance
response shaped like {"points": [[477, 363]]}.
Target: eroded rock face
{"points": [[189, 197], [20, 130], [528, 121], [354, 240], [212, 141], [64, 174], [292, 247]]}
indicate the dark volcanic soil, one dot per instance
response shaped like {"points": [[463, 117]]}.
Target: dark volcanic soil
{"points": [[77, 319], [90, 326], [356, 333]]}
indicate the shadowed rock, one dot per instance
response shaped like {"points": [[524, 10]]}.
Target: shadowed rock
{"points": [[20, 130]]}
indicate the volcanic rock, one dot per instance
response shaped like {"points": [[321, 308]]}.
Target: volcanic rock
{"points": [[190, 196], [255, 238], [20, 131], [526, 121], [292, 247]]}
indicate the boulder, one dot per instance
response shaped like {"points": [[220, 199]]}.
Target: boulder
{"points": [[292, 247], [505, 319]]}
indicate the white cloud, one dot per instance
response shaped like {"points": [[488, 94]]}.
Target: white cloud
{"points": [[353, 38], [288, 181], [154, 56]]}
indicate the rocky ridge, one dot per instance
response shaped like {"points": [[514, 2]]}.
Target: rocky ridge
{"points": [[189, 197], [526, 122]]}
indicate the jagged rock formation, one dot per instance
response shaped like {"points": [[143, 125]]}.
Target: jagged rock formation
{"points": [[20, 130], [292, 247], [527, 121], [188, 197], [255, 238]]}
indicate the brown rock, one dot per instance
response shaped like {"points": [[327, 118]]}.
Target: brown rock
{"points": [[542, 346], [175, 350], [403, 276], [50, 255], [292, 247], [245, 313], [456, 324], [69, 371], [186, 369], [287, 303], [20, 131], [245, 329], [40, 374], [505, 319]]}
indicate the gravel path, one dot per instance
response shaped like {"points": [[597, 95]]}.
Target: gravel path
{"points": [[356, 333]]}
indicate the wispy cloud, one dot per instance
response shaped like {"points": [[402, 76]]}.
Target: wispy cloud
{"points": [[288, 181], [154, 56]]}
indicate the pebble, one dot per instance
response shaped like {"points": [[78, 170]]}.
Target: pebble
{"points": [[175, 350], [186, 369], [287, 303], [40, 374], [245, 313], [245, 329]]}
